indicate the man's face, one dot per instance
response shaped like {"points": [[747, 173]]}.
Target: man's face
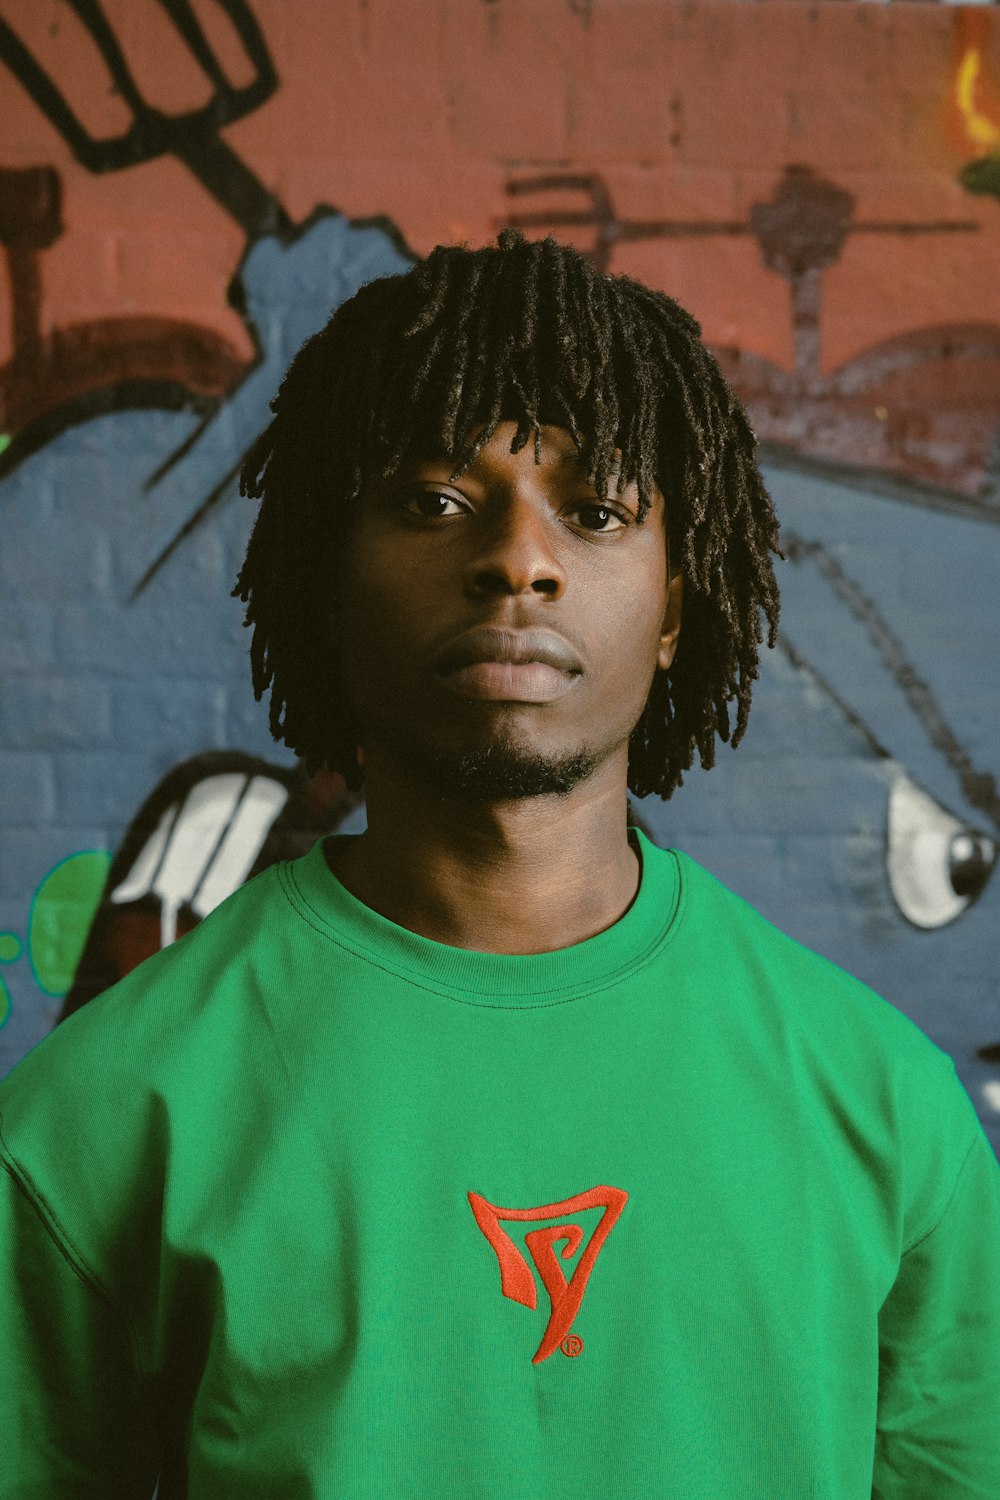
{"points": [[516, 545]]}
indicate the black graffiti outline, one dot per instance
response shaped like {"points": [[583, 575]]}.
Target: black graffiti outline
{"points": [[193, 135], [802, 273], [979, 787]]}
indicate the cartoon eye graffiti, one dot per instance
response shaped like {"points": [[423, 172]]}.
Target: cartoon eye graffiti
{"points": [[937, 864]]}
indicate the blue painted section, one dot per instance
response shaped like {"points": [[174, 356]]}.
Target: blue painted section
{"points": [[100, 694]]}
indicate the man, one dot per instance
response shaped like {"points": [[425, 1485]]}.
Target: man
{"points": [[497, 1151]]}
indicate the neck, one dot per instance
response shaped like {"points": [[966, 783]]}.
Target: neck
{"points": [[528, 876]]}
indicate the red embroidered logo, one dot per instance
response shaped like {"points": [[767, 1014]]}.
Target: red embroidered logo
{"points": [[516, 1280]]}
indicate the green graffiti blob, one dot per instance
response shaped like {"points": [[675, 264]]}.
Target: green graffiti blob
{"points": [[10, 949], [982, 175], [61, 913]]}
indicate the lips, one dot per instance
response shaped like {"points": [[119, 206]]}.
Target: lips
{"points": [[491, 643], [510, 682]]}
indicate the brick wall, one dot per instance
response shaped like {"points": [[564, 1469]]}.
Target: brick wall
{"points": [[789, 171]]}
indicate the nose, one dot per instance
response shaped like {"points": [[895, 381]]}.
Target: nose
{"points": [[516, 549]]}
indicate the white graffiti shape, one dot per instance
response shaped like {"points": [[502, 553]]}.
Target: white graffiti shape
{"points": [[937, 864], [204, 847]]}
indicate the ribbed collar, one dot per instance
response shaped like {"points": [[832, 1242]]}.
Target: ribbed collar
{"points": [[493, 978]]}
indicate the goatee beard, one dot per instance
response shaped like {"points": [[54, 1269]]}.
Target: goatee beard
{"points": [[499, 772]]}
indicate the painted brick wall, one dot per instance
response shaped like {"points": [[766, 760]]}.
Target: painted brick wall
{"points": [[429, 112], [817, 182]]}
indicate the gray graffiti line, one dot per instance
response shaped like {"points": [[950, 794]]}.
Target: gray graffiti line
{"points": [[802, 664], [191, 524], [979, 786]]}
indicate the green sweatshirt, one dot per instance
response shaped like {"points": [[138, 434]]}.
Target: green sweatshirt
{"points": [[312, 1206]]}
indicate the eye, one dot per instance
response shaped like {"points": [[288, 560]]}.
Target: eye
{"points": [[937, 864], [422, 503], [603, 510], [413, 497]]}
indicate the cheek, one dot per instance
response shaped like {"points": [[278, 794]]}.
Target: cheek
{"points": [[361, 605], [634, 607], [628, 661], [377, 575], [371, 641]]}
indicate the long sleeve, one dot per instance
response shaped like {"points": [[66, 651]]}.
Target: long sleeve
{"points": [[73, 1423], [938, 1434]]}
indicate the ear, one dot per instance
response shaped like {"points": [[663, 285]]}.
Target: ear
{"points": [[671, 621]]}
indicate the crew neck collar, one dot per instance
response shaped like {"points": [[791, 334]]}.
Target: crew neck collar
{"points": [[493, 978]]}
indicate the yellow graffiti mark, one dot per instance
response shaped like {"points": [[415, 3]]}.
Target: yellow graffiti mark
{"points": [[980, 130]]}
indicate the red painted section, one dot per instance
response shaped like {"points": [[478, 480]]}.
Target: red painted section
{"points": [[437, 114]]}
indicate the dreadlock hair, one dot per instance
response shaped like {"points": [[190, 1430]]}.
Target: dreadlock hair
{"points": [[527, 332]]}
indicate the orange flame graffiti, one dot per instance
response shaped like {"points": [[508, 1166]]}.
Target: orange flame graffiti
{"points": [[973, 109], [979, 128]]}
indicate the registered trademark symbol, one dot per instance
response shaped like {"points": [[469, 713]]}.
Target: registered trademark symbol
{"points": [[572, 1346]]}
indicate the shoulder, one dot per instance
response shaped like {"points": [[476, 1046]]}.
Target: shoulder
{"points": [[174, 1018], [784, 972], [117, 1029], [836, 1049], [90, 1117]]}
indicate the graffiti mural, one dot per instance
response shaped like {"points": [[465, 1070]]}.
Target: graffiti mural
{"points": [[164, 356], [874, 404], [88, 366], [861, 813], [143, 627]]}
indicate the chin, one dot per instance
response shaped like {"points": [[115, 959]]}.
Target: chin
{"points": [[497, 771]]}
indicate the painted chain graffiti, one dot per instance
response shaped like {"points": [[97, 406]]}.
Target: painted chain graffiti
{"points": [[875, 404]]}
